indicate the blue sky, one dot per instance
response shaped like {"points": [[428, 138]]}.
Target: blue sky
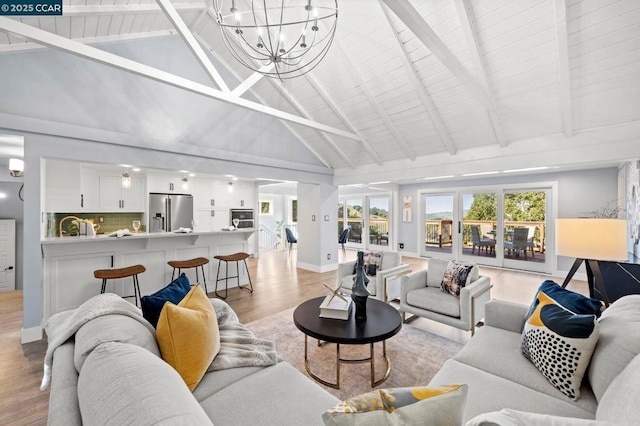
{"points": [[436, 203]]}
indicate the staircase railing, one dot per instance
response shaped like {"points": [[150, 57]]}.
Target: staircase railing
{"points": [[268, 238]]}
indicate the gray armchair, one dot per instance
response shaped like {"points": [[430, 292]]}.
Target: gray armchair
{"points": [[420, 295], [389, 266]]}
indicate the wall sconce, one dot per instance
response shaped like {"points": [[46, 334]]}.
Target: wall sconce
{"points": [[16, 167], [126, 180], [185, 184]]}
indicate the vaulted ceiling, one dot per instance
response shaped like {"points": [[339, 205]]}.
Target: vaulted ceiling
{"points": [[414, 81]]}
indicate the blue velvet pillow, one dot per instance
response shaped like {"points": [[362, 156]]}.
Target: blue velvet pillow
{"points": [[174, 292], [576, 303]]}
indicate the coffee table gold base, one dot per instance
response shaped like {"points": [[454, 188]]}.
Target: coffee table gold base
{"points": [[339, 360]]}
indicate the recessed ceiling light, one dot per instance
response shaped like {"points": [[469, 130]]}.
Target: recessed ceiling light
{"points": [[125, 165], [136, 169], [3, 195], [192, 175], [437, 177], [184, 171], [379, 183], [481, 173], [528, 169]]}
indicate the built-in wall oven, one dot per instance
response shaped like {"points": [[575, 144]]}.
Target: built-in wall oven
{"points": [[244, 217]]}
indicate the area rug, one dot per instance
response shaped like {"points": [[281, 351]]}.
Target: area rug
{"points": [[416, 355]]}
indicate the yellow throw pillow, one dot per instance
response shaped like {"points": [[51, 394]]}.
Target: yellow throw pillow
{"points": [[188, 335]]}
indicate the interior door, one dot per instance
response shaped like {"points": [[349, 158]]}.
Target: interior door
{"points": [[7, 254]]}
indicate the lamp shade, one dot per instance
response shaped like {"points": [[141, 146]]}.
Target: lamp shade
{"points": [[594, 239]]}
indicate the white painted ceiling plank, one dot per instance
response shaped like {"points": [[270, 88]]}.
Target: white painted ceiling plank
{"points": [[412, 19], [417, 85], [336, 109], [97, 55], [253, 79], [560, 9], [192, 43], [297, 134], [374, 102], [474, 49]]}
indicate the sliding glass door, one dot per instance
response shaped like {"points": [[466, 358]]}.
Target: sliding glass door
{"points": [[438, 225], [504, 226], [369, 220]]}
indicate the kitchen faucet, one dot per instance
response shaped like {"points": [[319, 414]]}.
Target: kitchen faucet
{"points": [[65, 218]]}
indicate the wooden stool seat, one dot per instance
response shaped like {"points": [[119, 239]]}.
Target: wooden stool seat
{"points": [[235, 257], [196, 263], [112, 274], [117, 273]]}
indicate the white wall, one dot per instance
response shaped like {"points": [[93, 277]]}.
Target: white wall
{"points": [[317, 224]]}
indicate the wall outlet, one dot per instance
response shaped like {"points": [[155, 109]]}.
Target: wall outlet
{"points": [[101, 219], [401, 245], [328, 256]]}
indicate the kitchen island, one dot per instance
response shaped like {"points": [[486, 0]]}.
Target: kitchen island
{"points": [[69, 262]]}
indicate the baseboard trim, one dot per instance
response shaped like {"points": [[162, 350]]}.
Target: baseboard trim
{"points": [[317, 268], [28, 335]]}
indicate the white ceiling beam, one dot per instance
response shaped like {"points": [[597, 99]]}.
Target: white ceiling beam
{"points": [[297, 105], [27, 45], [338, 111], [464, 13], [353, 71], [175, 19], [560, 9], [109, 59], [414, 78], [251, 80], [128, 9], [285, 123], [419, 27]]}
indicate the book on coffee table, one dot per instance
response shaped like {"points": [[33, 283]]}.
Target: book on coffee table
{"points": [[335, 307]]}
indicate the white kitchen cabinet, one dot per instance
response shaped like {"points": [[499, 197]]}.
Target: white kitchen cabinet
{"points": [[203, 193], [62, 186], [115, 198], [89, 191], [167, 184], [242, 196], [210, 220]]}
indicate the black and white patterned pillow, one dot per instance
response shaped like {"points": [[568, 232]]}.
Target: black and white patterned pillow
{"points": [[456, 276]]}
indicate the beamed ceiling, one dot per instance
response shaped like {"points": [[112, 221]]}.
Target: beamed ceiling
{"points": [[409, 84]]}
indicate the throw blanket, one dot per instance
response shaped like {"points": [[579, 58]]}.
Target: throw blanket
{"points": [[61, 326], [239, 347]]}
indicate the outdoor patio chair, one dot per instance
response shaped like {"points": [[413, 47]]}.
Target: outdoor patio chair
{"points": [[489, 244], [520, 243]]}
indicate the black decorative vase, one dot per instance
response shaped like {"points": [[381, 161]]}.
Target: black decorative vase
{"points": [[359, 291]]}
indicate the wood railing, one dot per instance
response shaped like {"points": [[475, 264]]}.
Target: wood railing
{"points": [[438, 232]]}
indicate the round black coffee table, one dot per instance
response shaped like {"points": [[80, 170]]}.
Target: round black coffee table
{"points": [[383, 321]]}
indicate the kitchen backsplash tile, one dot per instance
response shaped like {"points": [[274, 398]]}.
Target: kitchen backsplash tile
{"points": [[112, 222]]}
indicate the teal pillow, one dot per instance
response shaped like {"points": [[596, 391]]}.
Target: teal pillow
{"points": [[174, 292]]}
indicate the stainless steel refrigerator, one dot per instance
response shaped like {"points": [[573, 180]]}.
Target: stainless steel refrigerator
{"points": [[169, 212]]}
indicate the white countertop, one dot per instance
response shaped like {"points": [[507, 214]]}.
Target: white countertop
{"points": [[140, 236]]}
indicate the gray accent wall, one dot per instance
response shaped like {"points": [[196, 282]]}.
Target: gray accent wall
{"points": [[57, 87], [579, 192]]}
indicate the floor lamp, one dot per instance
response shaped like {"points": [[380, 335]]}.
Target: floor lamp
{"points": [[591, 240]]}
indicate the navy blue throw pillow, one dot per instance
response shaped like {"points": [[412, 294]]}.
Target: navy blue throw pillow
{"points": [[576, 303], [174, 292]]}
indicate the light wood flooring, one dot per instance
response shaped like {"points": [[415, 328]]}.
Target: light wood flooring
{"points": [[278, 286]]}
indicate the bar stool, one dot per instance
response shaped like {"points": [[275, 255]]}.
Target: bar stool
{"points": [[235, 257], [197, 262], [116, 273]]}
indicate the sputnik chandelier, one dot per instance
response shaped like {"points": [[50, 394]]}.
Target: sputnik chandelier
{"points": [[279, 38]]}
